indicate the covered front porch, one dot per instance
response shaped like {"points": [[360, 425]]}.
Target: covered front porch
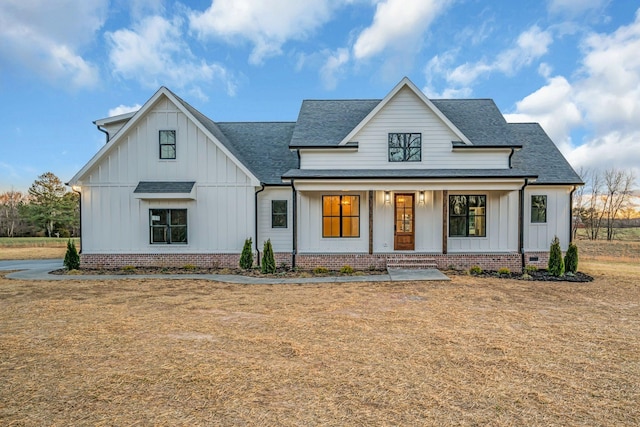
{"points": [[439, 223]]}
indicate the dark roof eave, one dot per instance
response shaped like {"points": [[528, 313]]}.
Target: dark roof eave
{"points": [[396, 177], [350, 145], [480, 147]]}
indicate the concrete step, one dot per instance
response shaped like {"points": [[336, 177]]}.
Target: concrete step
{"points": [[411, 266], [411, 263]]}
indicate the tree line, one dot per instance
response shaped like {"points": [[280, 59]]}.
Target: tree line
{"points": [[605, 203], [47, 209]]}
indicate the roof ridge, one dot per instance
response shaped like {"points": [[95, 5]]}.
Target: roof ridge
{"points": [[265, 122], [343, 99]]}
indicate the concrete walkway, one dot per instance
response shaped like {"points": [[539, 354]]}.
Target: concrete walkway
{"points": [[39, 270]]}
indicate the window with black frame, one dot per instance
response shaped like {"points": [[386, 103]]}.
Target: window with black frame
{"points": [[405, 147], [340, 216], [278, 214], [538, 209], [467, 216], [168, 226], [167, 144]]}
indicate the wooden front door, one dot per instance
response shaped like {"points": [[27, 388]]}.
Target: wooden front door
{"points": [[404, 236]]}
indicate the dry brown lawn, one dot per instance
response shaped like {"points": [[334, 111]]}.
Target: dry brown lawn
{"points": [[469, 352], [12, 253]]}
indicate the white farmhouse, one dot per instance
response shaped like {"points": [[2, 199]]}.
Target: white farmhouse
{"points": [[402, 181]]}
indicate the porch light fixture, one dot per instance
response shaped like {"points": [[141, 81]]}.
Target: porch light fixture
{"points": [[387, 197], [421, 197]]}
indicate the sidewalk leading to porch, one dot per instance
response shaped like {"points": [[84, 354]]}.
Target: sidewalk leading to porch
{"points": [[406, 275]]}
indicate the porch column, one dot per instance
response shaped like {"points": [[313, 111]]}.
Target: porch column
{"points": [[371, 201], [445, 219]]}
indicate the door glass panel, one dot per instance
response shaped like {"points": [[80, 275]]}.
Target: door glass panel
{"points": [[404, 212]]}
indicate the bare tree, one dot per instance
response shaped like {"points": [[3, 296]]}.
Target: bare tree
{"points": [[10, 203], [592, 212], [578, 202], [618, 185]]}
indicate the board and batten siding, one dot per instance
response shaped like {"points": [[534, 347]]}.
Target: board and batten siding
{"points": [[114, 220], [281, 238], [310, 238], [405, 112], [427, 223], [502, 225], [538, 236]]}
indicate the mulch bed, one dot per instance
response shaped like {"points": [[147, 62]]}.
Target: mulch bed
{"points": [[539, 275]]}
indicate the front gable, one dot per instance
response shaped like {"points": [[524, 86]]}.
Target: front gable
{"points": [[418, 103], [405, 113], [134, 153]]}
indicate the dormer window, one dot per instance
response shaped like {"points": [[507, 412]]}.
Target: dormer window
{"points": [[167, 144], [405, 147]]}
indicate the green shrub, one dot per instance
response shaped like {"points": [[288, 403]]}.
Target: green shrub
{"points": [[71, 258], [475, 270], [556, 263], [504, 270], [320, 270], [190, 267], [530, 269], [246, 259], [346, 269], [268, 260], [571, 259], [128, 268]]}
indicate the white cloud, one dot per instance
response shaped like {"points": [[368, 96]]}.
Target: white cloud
{"points": [[123, 109], [604, 100], [618, 149], [265, 24], [45, 37], [396, 24], [531, 45], [610, 91], [553, 107], [333, 66], [575, 7], [154, 53]]}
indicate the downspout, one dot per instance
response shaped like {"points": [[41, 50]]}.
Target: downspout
{"points": [[521, 224], [80, 209], [513, 150], [294, 228], [256, 222], [571, 213], [105, 132]]}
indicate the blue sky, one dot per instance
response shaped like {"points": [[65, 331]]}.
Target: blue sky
{"points": [[572, 65]]}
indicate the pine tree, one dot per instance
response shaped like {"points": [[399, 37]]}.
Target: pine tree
{"points": [[556, 263], [268, 259], [71, 258], [571, 259], [246, 259]]}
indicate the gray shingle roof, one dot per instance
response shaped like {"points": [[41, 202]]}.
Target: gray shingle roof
{"points": [[325, 123], [539, 155], [164, 187], [265, 147]]}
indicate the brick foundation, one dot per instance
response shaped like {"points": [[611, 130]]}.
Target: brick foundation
{"points": [[542, 261], [512, 261], [171, 260]]}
